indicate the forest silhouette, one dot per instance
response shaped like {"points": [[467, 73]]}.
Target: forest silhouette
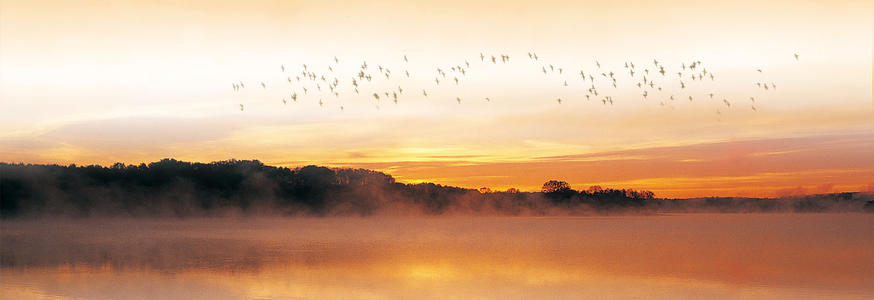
{"points": [[172, 188]]}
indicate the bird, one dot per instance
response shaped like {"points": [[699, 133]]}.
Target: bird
{"points": [[283, 101], [282, 67], [488, 100], [559, 100], [424, 92], [263, 85], [458, 99], [796, 58], [241, 107]]}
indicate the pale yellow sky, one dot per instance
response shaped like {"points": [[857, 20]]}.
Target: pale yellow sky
{"points": [[136, 81]]}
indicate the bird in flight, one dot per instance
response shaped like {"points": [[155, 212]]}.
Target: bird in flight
{"points": [[796, 58]]}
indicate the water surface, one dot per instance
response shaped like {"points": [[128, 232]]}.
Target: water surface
{"points": [[664, 256]]}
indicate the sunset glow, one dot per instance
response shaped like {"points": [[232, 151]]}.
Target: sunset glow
{"points": [[136, 81]]}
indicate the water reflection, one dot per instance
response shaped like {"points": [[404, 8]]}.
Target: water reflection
{"points": [[757, 255]]}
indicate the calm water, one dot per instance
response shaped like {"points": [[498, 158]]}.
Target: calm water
{"points": [[687, 256]]}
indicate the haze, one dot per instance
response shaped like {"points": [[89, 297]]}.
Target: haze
{"points": [[137, 81]]}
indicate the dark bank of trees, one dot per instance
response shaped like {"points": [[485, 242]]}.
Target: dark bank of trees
{"points": [[176, 188]]}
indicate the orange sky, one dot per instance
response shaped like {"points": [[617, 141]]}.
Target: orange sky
{"points": [[137, 81]]}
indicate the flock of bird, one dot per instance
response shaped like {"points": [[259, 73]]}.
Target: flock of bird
{"points": [[653, 80]]}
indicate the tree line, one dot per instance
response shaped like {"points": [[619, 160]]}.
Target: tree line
{"points": [[176, 188]]}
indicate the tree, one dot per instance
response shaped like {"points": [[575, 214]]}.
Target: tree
{"points": [[555, 186], [595, 189]]}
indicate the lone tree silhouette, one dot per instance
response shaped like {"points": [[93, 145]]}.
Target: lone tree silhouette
{"points": [[555, 186], [558, 191]]}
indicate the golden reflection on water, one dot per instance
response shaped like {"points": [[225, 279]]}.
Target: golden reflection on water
{"points": [[711, 256]]}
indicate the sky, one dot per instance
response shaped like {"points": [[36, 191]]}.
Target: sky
{"points": [[98, 82]]}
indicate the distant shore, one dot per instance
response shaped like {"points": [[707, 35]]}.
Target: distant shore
{"points": [[182, 189]]}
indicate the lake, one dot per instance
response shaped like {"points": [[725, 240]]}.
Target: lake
{"points": [[657, 256]]}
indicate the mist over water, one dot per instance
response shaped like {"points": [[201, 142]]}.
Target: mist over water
{"points": [[657, 256]]}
